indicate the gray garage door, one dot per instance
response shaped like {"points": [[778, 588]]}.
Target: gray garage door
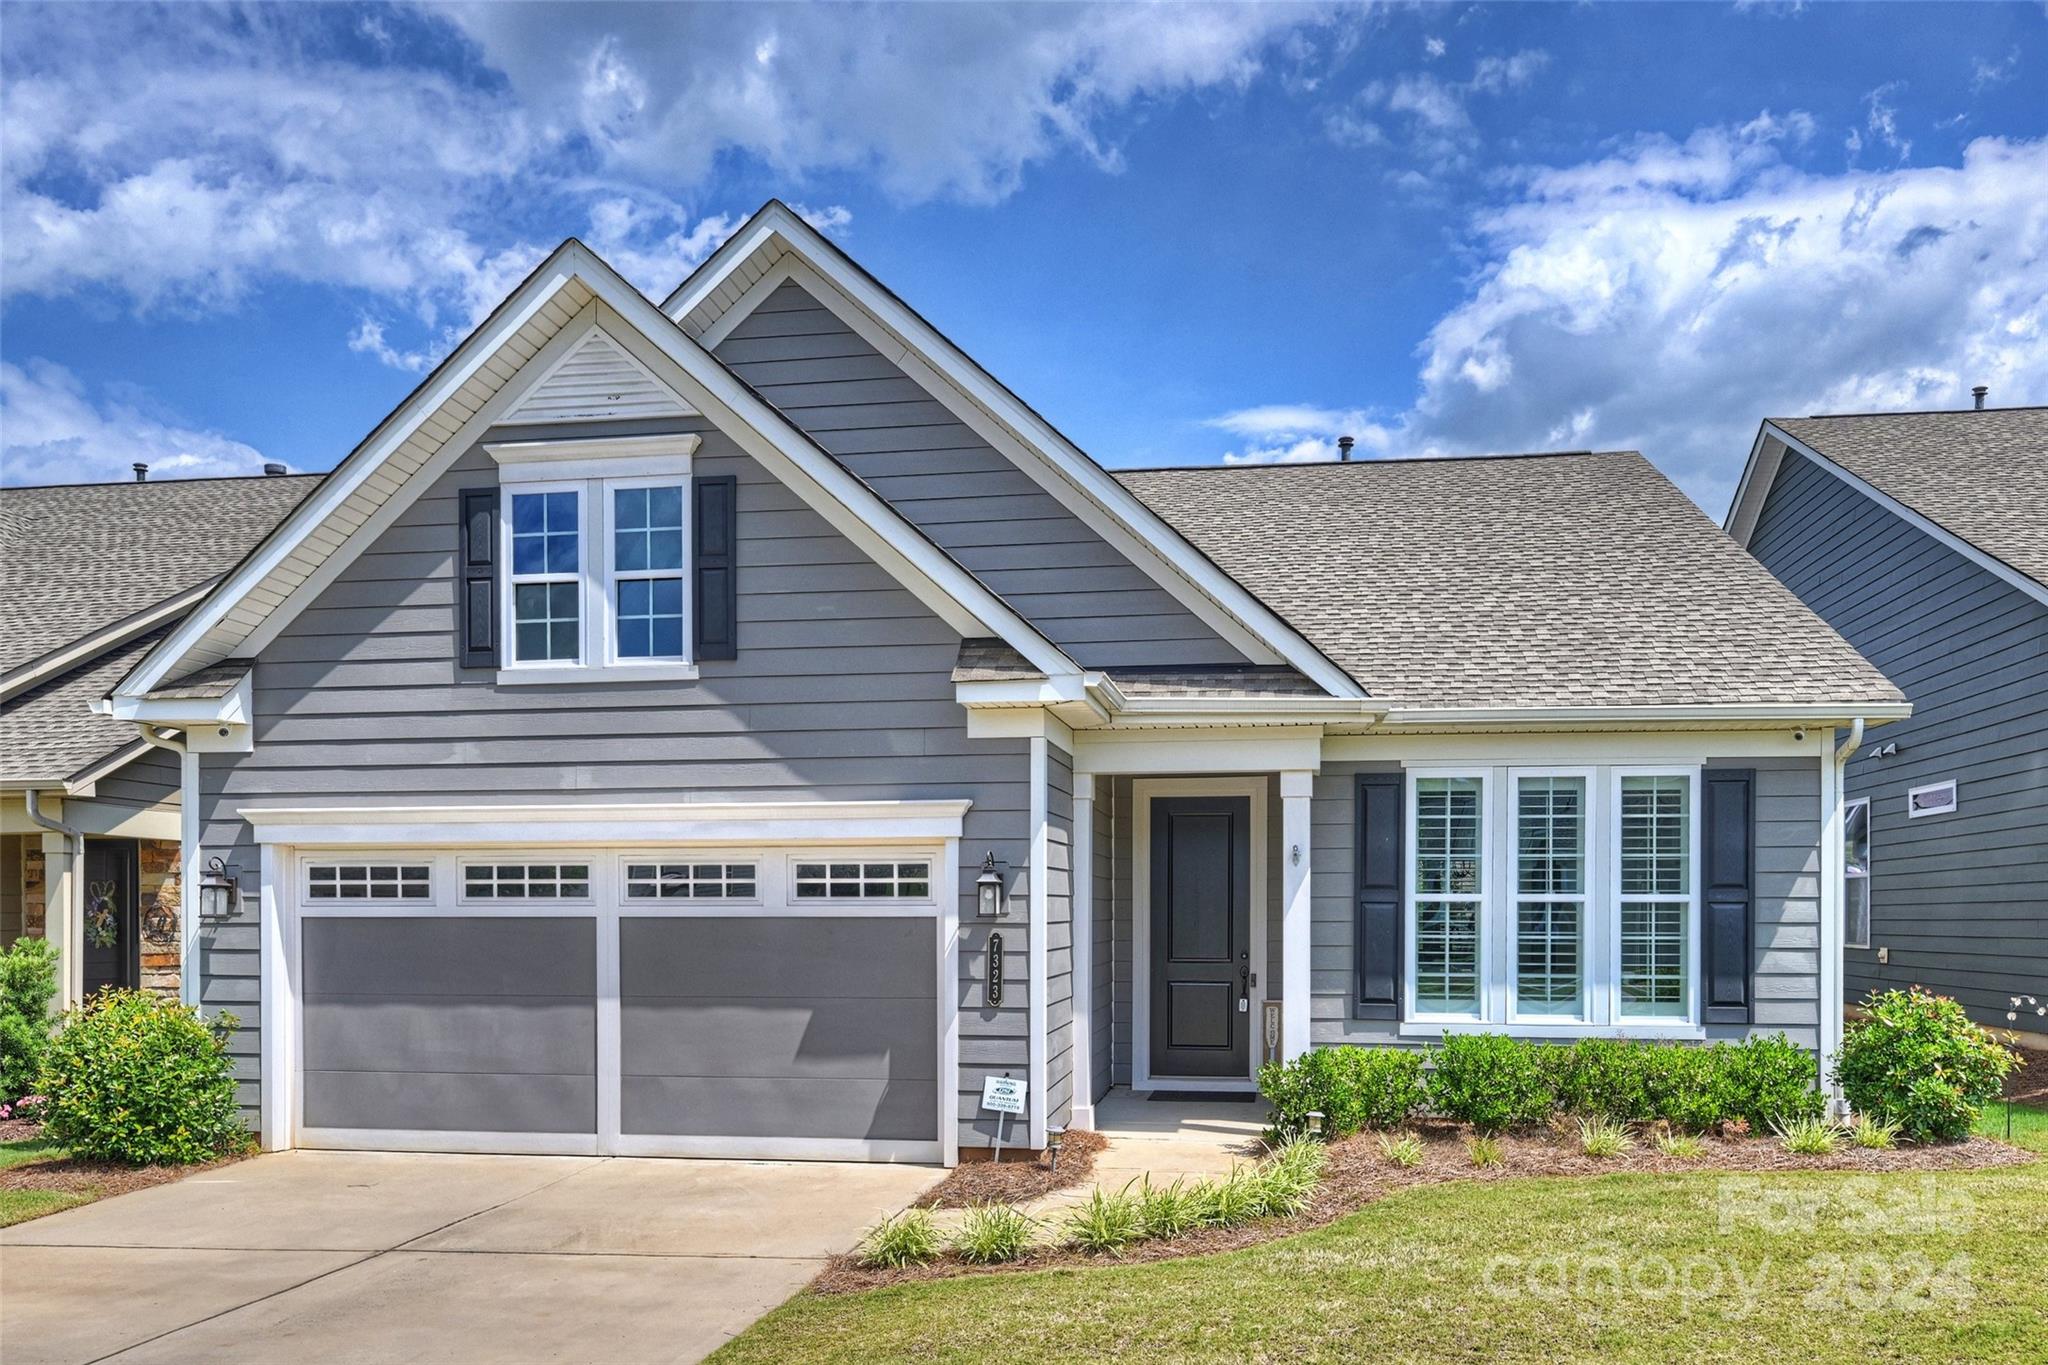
{"points": [[450, 1024], [762, 1027]]}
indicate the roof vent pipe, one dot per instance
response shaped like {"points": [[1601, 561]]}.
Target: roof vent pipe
{"points": [[141, 471], [272, 469], [1978, 394], [1344, 444]]}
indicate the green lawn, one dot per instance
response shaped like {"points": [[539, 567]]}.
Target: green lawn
{"points": [[18, 1206], [1809, 1266]]}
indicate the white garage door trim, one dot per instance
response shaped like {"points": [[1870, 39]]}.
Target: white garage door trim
{"points": [[772, 833]]}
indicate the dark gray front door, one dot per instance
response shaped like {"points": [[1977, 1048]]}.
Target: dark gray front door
{"points": [[111, 943], [1201, 936]]}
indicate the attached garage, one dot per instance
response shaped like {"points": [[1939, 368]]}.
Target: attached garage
{"points": [[767, 1000]]}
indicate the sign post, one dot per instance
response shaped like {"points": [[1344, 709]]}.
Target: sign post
{"points": [[1004, 1095]]}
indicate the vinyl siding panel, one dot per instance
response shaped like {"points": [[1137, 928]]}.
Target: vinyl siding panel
{"points": [[841, 691], [1960, 901], [149, 779], [967, 496], [1059, 937]]}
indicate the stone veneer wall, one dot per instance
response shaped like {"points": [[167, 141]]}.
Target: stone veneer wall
{"points": [[156, 888]]}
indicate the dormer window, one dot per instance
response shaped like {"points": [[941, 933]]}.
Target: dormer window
{"points": [[596, 555]]}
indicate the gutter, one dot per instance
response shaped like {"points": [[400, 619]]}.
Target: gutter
{"points": [[189, 859], [70, 947], [1833, 967]]}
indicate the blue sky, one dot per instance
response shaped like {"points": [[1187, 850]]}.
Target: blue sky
{"points": [[1186, 234]]}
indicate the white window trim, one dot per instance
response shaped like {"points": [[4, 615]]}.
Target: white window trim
{"points": [[1500, 895], [1955, 802], [524, 859], [857, 856], [1689, 1019], [592, 469], [353, 858], [636, 905], [1489, 833], [1591, 922], [1850, 872]]}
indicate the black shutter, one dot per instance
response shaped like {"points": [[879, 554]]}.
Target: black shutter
{"points": [[1728, 884], [714, 577], [1376, 922], [476, 573]]}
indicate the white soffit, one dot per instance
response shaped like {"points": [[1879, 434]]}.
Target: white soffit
{"points": [[598, 380]]}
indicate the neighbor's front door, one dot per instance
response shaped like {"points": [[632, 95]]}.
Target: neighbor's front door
{"points": [[1201, 937], [111, 945]]}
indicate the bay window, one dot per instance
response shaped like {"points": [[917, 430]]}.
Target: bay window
{"points": [[1552, 900]]}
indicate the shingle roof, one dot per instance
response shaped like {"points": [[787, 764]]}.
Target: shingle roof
{"points": [[1982, 476], [992, 660], [205, 684], [1205, 683], [1566, 580], [77, 558], [51, 732]]}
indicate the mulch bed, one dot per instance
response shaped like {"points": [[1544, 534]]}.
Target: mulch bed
{"points": [[1357, 1174], [99, 1179], [2027, 1083], [1017, 1182]]}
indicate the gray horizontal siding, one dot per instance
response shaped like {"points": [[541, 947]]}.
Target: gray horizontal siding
{"points": [[1959, 901], [149, 779], [967, 496], [841, 691]]}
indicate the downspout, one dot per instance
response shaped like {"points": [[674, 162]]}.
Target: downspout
{"points": [[71, 947], [189, 858], [1832, 964]]}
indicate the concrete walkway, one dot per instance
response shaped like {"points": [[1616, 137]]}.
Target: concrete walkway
{"points": [[319, 1257], [1162, 1141]]}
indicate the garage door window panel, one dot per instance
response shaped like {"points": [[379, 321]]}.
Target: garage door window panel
{"points": [[500, 881], [340, 882]]}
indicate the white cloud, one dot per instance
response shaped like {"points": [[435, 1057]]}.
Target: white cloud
{"points": [[52, 431], [1433, 47], [1434, 114], [1296, 433], [1669, 296], [1984, 75], [1883, 122], [214, 152]]}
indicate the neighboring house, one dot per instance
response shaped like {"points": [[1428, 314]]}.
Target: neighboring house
{"points": [[91, 576], [743, 726], [1923, 538]]}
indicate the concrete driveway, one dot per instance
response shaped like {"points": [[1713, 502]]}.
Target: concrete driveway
{"points": [[313, 1257]]}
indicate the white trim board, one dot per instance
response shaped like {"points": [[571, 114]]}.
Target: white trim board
{"points": [[1142, 792], [281, 581], [761, 822], [1766, 458], [1009, 424]]}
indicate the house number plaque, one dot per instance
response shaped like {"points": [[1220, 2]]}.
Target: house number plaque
{"points": [[995, 970]]}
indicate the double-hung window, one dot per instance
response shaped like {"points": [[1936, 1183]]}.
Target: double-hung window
{"points": [[596, 538], [1552, 900], [1856, 874]]}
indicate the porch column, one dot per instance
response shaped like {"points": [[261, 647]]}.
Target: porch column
{"points": [[1083, 950], [1295, 863]]}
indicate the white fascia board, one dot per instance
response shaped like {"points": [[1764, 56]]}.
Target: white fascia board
{"points": [[1759, 472], [1820, 713], [1989, 563], [1081, 485], [854, 509], [703, 823], [348, 477], [66, 657], [594, 457]]}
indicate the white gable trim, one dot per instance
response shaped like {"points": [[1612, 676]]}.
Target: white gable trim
{"points": [[1005, 422], [597, 380], [855, 510], [1766, 458]]}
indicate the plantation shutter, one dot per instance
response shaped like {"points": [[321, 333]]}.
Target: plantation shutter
{"points": [[476, 570], [714, 577], [1376, 921], [1728, 887]]}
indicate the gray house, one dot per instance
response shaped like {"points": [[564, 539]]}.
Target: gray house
{"points": [[743, 726], [1923, 538]]}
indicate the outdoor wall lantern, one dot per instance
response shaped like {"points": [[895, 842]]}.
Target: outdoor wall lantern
{"points": [[216, 889], [989, 898]]}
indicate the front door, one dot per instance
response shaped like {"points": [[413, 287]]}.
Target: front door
{"points": [[1201, 937], [111, 945]]}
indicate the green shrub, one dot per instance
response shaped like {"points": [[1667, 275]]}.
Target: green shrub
{"points": [[1919, 1061], [141, 1080], [1232, 1201], [1874, 1134], [1105, 1223], [1773, 1081], [28, 983], [993, 1233], [1762, 1080], [1490, 1081], [1485, 1151], [1351, 1087], [906, 1238], [1287, 1179]]}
